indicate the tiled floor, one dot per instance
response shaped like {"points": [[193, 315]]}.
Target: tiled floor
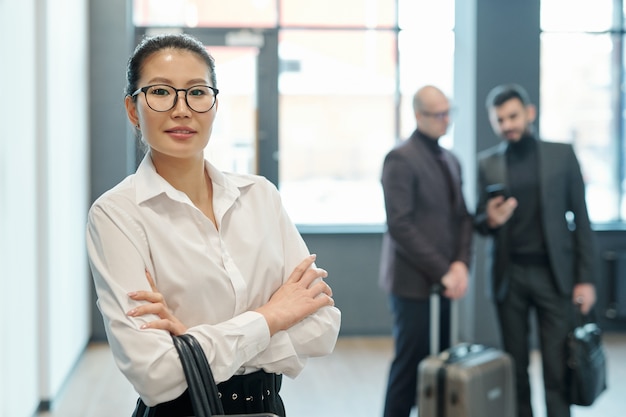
{"points": [[350, 382]]}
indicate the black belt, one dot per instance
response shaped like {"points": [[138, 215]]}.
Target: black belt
{"points": [[251, 393], [538, 259], [242, 394]]}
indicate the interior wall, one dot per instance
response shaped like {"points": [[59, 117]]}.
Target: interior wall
{"points": [[497, 42], [352, 262], [18, 185], [44, 298], [112, 152], [464, 99], [64, 185]]}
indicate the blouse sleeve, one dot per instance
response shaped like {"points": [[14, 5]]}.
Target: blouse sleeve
{"points": [[118, 255], [314, 336]]}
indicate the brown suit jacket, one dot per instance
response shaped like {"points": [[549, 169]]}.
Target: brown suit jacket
{"points": [[425, 232]]}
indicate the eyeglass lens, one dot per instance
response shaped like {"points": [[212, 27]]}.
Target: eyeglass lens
{"points": [[199, 98], [439, 116]]}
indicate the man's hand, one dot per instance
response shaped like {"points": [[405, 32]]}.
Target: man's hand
{"points": [[499, 210], [455, 280], [585, 296]]}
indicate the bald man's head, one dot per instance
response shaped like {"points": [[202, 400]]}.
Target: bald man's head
{"points": [[432, 111]]}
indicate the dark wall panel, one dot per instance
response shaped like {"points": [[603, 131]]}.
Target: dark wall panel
{"points": [[352, 263]]}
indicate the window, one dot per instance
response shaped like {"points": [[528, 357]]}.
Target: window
{"points": [[205, 13], [344, 82], [582, 68], [337, 121], [328, 13]]}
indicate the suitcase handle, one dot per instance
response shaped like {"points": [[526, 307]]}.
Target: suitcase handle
{"points": [[435, 301], [461, 351], [436, 291]]}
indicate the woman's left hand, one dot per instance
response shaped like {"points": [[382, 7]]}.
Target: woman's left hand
{"points": [[156, 305]]}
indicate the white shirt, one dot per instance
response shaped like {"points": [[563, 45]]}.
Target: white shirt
{"points": [[211, 278]]}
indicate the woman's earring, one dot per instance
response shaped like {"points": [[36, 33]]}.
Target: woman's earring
{"points": [[137, 126]]}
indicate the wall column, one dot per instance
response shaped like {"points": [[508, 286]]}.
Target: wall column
{"points": [[496, 42]]}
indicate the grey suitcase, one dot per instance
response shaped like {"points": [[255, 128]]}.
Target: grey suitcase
{"points": [[467, 380]]}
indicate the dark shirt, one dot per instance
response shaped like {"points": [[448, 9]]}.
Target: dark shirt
{"points": [[527, 239], [432, 144]]}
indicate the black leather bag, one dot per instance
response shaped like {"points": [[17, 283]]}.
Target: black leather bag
{"points": [[202, 389], [586, 362], [205, 399]]}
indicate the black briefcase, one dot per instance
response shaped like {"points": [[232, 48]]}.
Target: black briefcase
{"points": [[586, 362]]}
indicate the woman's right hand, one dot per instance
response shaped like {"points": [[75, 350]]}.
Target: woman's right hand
{"points": [[156, 305], [301, 295]]}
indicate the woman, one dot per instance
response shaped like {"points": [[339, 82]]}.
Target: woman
{"points": [[180, 247]]}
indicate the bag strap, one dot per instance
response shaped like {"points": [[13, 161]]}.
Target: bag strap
{"points": [[206, 374], [202, 388]]}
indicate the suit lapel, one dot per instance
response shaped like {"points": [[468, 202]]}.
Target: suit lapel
{"points": [[430, 169], [544, 170], [545, 163], [498, 170], [454, 176]]}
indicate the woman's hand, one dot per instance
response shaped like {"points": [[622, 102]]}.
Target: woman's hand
{"points": [[156, 305], [301, 295]]}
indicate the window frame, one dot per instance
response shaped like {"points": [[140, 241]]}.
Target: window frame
{"points": [[617, 34]]}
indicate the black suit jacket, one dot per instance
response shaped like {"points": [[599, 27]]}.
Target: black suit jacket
{"points": [[425, 233], [565, 221]]}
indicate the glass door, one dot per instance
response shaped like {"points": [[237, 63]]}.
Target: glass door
{"points": [[233, 144]]}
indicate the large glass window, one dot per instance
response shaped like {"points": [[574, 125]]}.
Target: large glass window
{"points": [[337, 121], [581, 67], [205, 13], [330, 104], [233, 141], [329, 13]]}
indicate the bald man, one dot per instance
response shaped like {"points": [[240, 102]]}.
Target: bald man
{"points": [[427, 242]]}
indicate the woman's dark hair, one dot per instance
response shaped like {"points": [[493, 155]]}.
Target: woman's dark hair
{"points": [[503, 93], [152, 44]]}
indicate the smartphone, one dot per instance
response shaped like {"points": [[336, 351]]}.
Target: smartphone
{"points": [[495, 190]]}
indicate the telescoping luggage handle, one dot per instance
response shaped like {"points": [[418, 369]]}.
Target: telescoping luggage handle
{"points": [[435, 301]]}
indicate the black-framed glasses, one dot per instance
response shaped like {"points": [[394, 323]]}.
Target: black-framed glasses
{"points": [[163, 97]]}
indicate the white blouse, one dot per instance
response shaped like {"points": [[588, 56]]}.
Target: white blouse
{"points": [[211, 278]]}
